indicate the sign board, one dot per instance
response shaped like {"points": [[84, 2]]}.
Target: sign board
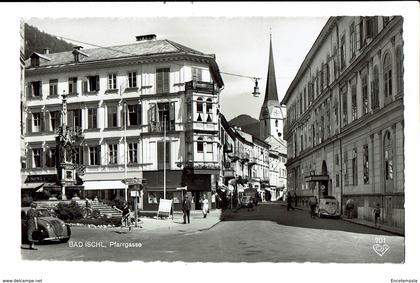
{"points": [[165, 206], [134, 194]]}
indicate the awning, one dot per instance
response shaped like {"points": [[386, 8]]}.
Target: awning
{"points": [[103, 185], [31, 186], [316, 178]]}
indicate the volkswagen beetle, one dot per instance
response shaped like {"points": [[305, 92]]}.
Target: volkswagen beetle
{"points": [[50, 227]]}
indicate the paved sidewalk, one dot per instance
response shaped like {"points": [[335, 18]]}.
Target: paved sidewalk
{"points": [[197, 222], [361, 222]]}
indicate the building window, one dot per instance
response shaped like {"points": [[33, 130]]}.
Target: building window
{"points": [[362, 33], [343, 91], [375, 88], [354, 166], [112, 153], [54, 120], [164, 116], [35, 89], [365, 94], [112, 81], [161, 156], [400, 70], [132, 153], [337, 180], [162, 80], [366, 164], [35, 61], [134, 115], [54, 87], [388, 155], [387, 71], [132, 79], [200, 145], [50, 157], [92, 84], [37, 121], [346, 169], [196, 74], [37, 154], [73, 85], [209, 147], [199, 104], [92, 118], [336, 111], [94, 155], [209, 110], [112, 116], [353, 100], [343, 52], [74, 118], [371, 27], [352, 41]]}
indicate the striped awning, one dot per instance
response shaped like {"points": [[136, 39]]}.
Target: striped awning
{"points": [[31, 186]]}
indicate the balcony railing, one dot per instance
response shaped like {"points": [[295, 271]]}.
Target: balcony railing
{"points": [[157, 127], [200, 86]]}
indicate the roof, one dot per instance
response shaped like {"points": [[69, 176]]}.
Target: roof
{"points": [[308, 58], [142, 48]]}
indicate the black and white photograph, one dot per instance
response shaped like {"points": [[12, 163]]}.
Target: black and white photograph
{"points": [[259, 143]]}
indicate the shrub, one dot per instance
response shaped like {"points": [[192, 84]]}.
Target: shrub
{"points": [[69, 211], [116, 221]]}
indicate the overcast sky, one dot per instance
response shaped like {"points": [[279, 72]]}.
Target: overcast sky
{"points": [[241, 46]]}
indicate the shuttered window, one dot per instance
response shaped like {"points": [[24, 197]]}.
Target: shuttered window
{"points": [[161, 154], [162, 80]]}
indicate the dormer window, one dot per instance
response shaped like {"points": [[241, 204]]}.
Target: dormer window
{"points": [[35, 59], [77, 52]]}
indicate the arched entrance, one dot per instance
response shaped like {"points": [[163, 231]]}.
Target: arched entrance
{"points": [[323, 185]]}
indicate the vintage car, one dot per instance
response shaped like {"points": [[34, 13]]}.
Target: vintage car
{"points": [[50, 227], [247, 201], [328, 207]]}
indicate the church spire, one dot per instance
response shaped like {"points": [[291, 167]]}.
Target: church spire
{"points": [[270, 120], [271, 97]]}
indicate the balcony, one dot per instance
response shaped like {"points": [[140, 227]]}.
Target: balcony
{"points": [[252, 161], [159, 127], [200, 86]]}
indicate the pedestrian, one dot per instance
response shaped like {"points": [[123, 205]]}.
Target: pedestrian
{"points": [[125, 220], [289, 201], [349, 208], [205, 206], [32, 224], [313, 202], [186, 207], [295, 200], [377, 213], [256, 199]]}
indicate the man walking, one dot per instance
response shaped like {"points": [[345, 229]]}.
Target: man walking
{"points": [[186, 207], [125, 220], [32, 224], [289, 201]]}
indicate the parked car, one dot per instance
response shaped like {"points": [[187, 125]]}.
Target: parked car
{"points": [[328, 206], [50, 227], [247, 201]]}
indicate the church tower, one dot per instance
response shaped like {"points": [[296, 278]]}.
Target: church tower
{"points": [[271, 118]]}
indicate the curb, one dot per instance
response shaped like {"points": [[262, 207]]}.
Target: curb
{"points": [[373, 227]]}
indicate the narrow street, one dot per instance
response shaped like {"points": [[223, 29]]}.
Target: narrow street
{"points": [[270, 233]]}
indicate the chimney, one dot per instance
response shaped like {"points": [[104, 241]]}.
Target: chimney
{"points": [[146, 37], [77, 47], [46, 50]]}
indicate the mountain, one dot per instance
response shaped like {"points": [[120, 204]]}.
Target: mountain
{"points": [[36, 41], [248, 124]]}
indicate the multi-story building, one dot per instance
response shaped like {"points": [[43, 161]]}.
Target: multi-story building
{"points": [[345, 122], [146, 110]]}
